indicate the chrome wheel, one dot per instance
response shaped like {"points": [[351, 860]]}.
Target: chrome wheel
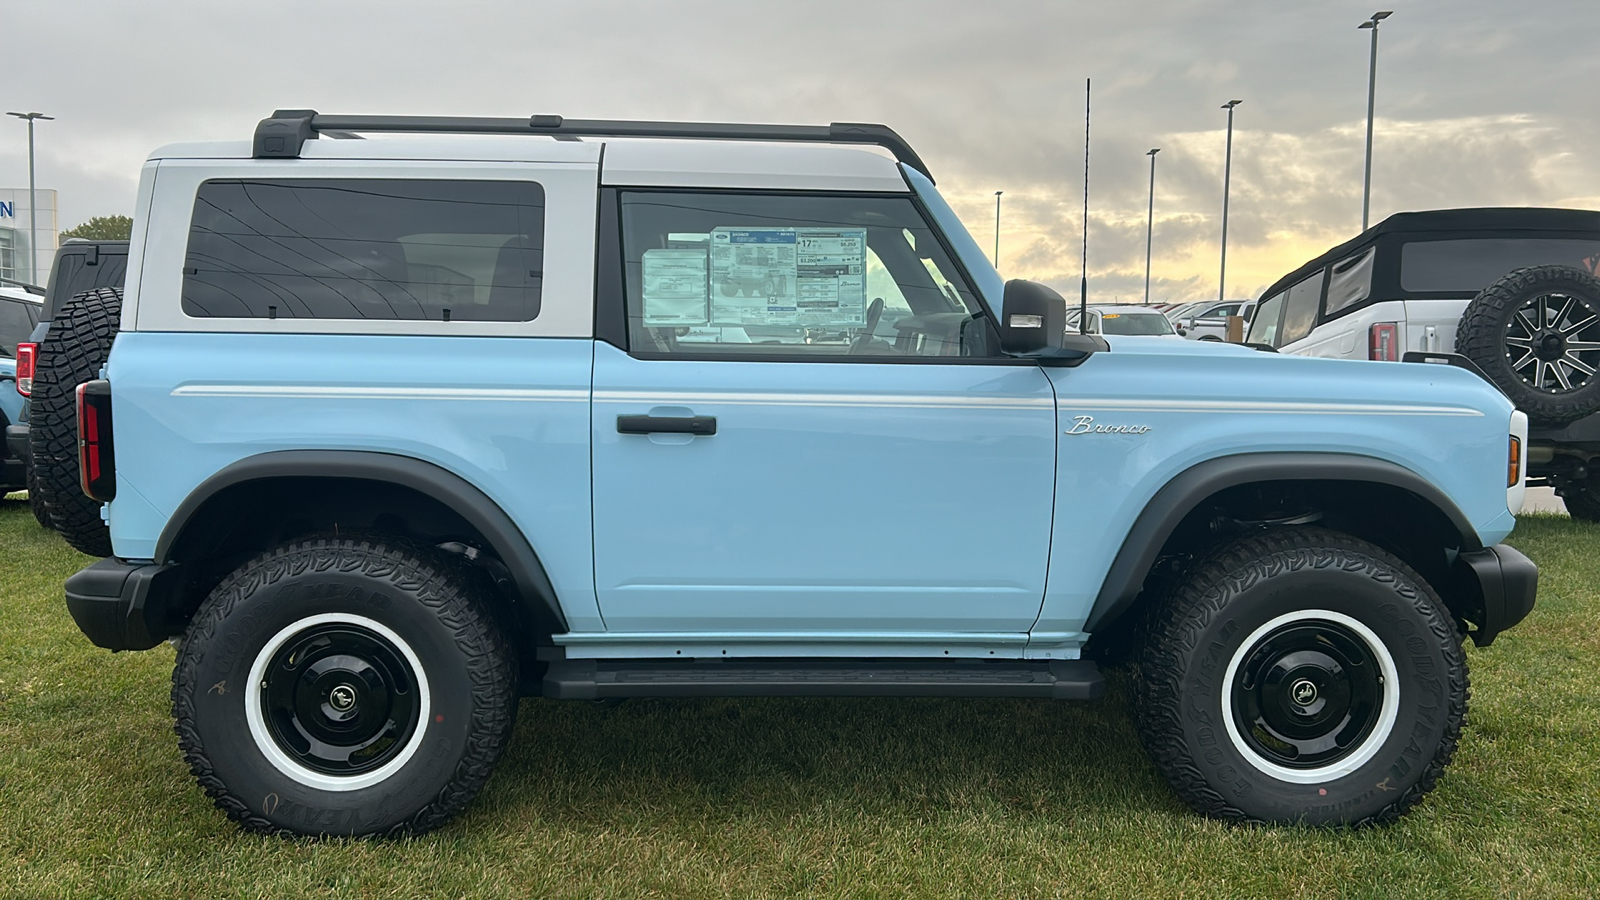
{"points": [[1553, 342]]}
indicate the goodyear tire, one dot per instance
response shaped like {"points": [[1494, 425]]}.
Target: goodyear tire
{"points": [[1302, 676], [1536, 334], [344, 687], [72, 352]]}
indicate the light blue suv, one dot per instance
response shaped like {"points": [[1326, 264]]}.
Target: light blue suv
{"points": [[407, 428]]}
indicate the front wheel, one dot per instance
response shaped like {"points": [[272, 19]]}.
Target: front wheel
{"points": [[1302, 676], [344, 687]]}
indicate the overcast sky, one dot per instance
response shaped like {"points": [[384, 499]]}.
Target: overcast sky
{"points": [[1480, 102]]}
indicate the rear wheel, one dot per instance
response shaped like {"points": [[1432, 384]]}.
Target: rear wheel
{"points": [[72, 352], [344, 687], [1302, 676]]}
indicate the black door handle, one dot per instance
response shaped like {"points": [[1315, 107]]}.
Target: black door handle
{"points": [[702, 425]]}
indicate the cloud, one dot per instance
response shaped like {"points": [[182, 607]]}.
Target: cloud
{"points": [[1474, 106]]}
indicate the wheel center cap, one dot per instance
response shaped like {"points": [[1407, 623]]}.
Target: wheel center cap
{"points": [[342, 697], [1303, 692], [1551, 347]]}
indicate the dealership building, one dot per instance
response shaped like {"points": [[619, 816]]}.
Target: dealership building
{"points": [[15, 218]]}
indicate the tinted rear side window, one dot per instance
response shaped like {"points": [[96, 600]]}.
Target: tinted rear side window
{"points": [[73, 275], [366, 249], [1469, 266]]}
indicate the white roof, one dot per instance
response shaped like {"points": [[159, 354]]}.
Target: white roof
{"points": [[626, 161]]}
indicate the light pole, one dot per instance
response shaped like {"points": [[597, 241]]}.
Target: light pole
{"points": [[33, 203], [1150, 225], [1227, 174], [1372, 95], [997, 228]]}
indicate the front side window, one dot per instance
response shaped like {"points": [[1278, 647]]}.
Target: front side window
{"points": [[1264, 327], [1300, 309], [802, 276], [1469, 266], [358, 248]]}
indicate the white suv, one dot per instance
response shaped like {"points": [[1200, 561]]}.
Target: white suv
{"points": [[1512, 290]]}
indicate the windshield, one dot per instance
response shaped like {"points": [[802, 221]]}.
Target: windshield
{"points": [[1135, 323], [1469, 266]]}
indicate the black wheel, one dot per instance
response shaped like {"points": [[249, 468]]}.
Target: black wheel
{"points": [[1302, 675], [36, 499], [344, 687], [1536, 333], [1582, 499], [72, 352]]}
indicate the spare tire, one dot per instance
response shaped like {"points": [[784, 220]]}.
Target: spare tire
{"points": [[71, 353], [1536, 334]]}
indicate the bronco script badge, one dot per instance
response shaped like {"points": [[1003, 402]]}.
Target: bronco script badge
{"points": [[1086, 425]]}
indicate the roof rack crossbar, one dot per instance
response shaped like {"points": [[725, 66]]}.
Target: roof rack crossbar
{"points": [[282, 135]]}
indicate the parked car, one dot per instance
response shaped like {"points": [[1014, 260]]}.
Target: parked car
{"points": [[1512, 290], [1173, 311], [19, 312], [404, 428], [1209, 321], [1125, 320], [47, 426]]}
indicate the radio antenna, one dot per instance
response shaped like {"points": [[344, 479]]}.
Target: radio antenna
{"points": [[1083, 284]]}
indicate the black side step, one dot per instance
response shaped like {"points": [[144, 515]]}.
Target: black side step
{"points": [[597, 679]]}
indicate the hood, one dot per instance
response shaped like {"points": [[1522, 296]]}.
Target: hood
{"points": [[1166, 345]]}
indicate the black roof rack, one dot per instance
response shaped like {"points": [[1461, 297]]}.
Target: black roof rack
{"points": [[282, 135]]}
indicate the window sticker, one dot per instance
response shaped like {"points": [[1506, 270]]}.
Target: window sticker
{"points": [[788, 276], [674, 287], [752, 276], [831, 287]]}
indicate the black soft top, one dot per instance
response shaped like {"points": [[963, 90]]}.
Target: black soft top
{"points": [[1508, 221]]}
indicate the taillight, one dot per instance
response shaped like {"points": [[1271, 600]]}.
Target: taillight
{"points": [[97, 471], [1514, 462], [1383, 341], [27, 359]]}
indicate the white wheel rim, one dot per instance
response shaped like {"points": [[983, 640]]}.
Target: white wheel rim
{"points": [[1373, 741], [310, 777]]}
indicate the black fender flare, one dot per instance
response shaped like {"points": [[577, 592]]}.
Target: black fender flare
{"points": [[505, 539], [1189, 488]]}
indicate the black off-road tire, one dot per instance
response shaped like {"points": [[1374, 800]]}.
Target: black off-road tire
{"points": [[1491, 334], [266, 620], [1582, 500], [72, 352], [36, 498], [1264, 608]]}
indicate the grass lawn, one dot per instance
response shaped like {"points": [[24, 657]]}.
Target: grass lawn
{"points": [[750, 798]]}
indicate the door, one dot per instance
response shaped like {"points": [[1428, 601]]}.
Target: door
{"points": [[811, 431]]}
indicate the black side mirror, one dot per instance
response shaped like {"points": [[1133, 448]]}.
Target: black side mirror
{"points": [[1034, 326]]}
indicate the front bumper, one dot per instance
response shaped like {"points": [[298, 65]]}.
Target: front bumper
{"points": [[1494, 589], [126, 605]]}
